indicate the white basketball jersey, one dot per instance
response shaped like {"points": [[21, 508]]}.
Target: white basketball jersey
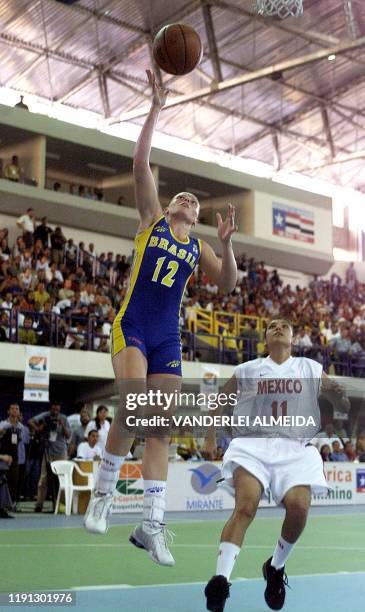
{"points": [[273, 396]]}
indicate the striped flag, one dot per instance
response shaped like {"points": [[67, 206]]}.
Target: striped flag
{"points": [[291, 222], [360, 481]]}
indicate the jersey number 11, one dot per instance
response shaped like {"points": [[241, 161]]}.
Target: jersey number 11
{"points": [[283, 407]]}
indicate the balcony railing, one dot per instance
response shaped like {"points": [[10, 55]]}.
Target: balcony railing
{"points": [[79, 333]]}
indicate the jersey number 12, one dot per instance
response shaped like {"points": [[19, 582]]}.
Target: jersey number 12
{"points": [[169, 278]]}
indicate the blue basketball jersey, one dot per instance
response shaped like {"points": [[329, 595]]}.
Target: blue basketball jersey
{"points": [[161, 269]]}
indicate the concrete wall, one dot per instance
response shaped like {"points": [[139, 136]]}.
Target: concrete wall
{"points": [[254, 213], [102, 242], [32, 157], [340, 267], [40, 124], [211, 206], [85, 364]]}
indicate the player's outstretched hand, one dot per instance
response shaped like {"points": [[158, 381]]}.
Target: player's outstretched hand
{"points": [[228, 226], [159, 94]]}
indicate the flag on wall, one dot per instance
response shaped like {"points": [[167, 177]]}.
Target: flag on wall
{"points": [[291, 222], [360, 481], [36, 375]]}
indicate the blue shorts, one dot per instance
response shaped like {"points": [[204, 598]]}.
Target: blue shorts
{"points": [[163, 354]]}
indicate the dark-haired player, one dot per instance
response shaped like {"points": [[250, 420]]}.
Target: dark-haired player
{"points": [[280, 459]]}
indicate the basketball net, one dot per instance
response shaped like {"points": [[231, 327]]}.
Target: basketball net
{"points": [[279, 8]]}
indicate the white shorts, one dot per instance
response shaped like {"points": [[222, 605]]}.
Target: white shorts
{"points": [[279, 464]]}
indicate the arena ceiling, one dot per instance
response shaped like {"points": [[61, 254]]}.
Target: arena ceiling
{"points": [[265, 89]]}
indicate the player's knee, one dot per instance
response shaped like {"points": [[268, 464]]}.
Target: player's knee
{"points": [[245, 511], [120, 417], [158, 442], [297, 509]]}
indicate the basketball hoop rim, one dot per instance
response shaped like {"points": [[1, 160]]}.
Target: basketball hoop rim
{"points": [[279, 8]]}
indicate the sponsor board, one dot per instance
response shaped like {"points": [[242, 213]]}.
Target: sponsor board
{"points": [[128, 496], [341, 480], [36, 374], [205, 494], [192, 486], [209, 384]]}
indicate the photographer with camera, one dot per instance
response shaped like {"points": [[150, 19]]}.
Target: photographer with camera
{"points": [[56, 433]]}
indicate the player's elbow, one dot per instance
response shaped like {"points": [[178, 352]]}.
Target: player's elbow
{"points": [[226, 285], [227, 280]]}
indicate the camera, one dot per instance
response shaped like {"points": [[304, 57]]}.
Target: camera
{"points": [[50, 426], [53, 423]]}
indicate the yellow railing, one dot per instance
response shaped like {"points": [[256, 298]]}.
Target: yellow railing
{"points": [[216, 322], [224, 321], [204, 321]]}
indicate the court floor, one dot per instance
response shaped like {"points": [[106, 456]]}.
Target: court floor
{"points": [[326, 570]]}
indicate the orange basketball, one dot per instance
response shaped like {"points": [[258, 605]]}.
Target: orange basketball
{"points": [[177, 48]]}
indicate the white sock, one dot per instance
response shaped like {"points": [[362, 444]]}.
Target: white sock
{"points": [[227, 556], [154, 501], [281, 553], [108, 473]]}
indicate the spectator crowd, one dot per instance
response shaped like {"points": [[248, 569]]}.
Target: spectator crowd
{"points": [[327, 313], [46, 274]]}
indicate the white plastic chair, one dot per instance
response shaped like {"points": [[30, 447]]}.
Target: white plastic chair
{"points": [[64, 471], [172, 451]]}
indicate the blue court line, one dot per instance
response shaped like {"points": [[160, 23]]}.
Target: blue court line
{"points": [[335, 592]]}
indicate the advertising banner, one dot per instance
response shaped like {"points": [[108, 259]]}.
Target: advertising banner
{"points": [[209, 383], [36, 375], [192, 486]]}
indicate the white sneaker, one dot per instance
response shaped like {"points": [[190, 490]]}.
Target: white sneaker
{"points": [[153, 538], [97, 513]]}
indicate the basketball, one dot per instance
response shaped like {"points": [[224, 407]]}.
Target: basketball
{"points": [[177, 48]]}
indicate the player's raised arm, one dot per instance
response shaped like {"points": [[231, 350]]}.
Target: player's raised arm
{"points": [[221, 272], [147, 201]]}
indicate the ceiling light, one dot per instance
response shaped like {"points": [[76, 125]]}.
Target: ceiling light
{"points": [[199, 192], [101, 168], [50, 155]]}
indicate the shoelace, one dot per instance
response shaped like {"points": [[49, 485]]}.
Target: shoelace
{"points": [[100, 505], [282, 579], [286, 581], [166, 536]]}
